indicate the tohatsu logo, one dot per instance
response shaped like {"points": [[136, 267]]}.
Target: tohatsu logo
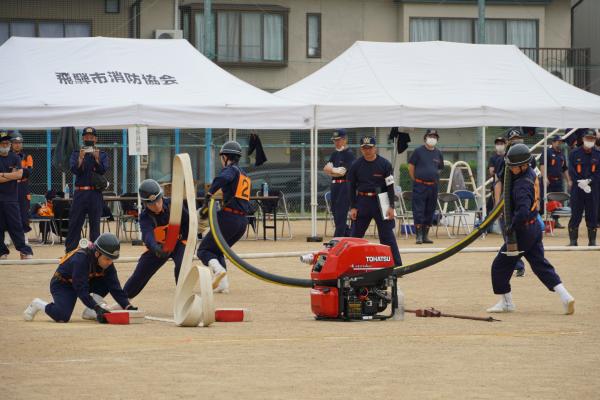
{"points": [[378, 259]]}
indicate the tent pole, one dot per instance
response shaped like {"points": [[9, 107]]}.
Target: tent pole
{"points": [[138, 169], [481, 173], [177, 140], [314, 134], [49, 159], [208, 155], [545, 177], [124, 156]]}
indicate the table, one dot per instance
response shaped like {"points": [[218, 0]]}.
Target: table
{"points": [[262, 201]]}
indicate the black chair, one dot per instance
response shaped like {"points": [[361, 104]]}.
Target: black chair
{"points": [[61, 209], [276, 208], [128, 213]]}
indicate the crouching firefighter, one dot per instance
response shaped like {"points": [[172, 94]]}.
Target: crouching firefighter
{"points": [[523, 234], [88, 274], [231, 218], [154, 222]]}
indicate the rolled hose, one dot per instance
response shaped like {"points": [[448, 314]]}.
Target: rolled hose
{"points": [[296, 282]]}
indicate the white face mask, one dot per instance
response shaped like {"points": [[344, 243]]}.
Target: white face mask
{"points": [[588, 145], [431, 141], [4, 150], [500, 148]]}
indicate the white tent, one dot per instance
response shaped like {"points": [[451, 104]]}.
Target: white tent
{"points": [[437, 84], [112, 82], [443, 85]]}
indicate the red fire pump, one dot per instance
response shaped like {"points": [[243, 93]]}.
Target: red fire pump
{"points": [[352, 280]]}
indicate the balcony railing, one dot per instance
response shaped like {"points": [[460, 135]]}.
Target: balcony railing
{"points": [[571, 65]]}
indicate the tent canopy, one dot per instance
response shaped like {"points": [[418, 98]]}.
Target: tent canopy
{"points": [[443, 85], [112, 82]]}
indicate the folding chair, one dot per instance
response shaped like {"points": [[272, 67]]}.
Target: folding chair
{"points": [[253, 221], [562, 197], [404, 214], [451, 200], [328, 212], [127, 214]]}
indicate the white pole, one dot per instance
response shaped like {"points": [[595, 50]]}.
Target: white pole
{"points": [[545, 186], [482, 170], [314, 134], [288, 254], [138, 168]]}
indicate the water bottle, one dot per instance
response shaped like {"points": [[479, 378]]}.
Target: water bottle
{"points": [[66, 190], [265, 189]]}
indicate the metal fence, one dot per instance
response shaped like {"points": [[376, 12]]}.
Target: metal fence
{"points": [[287, 169], [570, 65]]}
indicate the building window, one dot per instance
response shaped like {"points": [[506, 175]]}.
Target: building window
{"points": [[313, 35], [112, 6], [28, 28], [521, 33], [243, 34]]}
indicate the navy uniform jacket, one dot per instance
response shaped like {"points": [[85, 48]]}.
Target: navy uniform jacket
{"points": [[154, 226], [525, 198], [343, 158], [369, 176], [82, 267], [229, 182], [584, 165], [10, 163], [83, 174], [427, 163], [557, 164]]}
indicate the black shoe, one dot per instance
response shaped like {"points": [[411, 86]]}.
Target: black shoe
{"points": [[573, 234], [592, 237], [557, 225], [520, 272], [419, 230], [426, 235]]}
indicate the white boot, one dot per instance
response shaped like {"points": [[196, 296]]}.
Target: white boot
{"points": [[36, 306], [90, 314], [220, 282], [505, 304], [565, 297]]}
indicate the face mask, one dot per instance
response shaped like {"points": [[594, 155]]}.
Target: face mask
{"points": [[88, 143], [500, 148], [4, 150], [588, 145], [431, 141]]}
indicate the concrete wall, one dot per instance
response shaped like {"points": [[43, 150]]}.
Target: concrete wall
{"points": [[586, 33]]}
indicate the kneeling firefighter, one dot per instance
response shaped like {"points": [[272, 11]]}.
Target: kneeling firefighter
{"points": [[523, 234], [154, 221], [235, 186], [88, 274]]}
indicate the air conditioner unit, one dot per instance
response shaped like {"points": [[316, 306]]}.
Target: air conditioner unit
{"points": [[168, 34]]}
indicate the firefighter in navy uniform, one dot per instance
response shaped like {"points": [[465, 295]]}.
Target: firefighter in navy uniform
{"points": [[557, 170], [370, 175], [524, 204], [513, 136], [10, 215], [24, 194], [584, 169], [154, 220], [424, 167], [88, 274], [87, 199], [337, 167], [235, 185]]}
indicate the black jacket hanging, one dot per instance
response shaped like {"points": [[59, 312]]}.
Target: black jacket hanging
{"points": [[255, 144], [403, 139]]}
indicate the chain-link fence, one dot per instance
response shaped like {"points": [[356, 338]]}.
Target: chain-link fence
{"points": [[288, 153]]}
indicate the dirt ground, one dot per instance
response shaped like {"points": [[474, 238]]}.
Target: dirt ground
{"points": [[534, 353]]}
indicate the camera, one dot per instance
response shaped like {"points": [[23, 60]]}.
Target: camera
{"points": [[88, 149]]}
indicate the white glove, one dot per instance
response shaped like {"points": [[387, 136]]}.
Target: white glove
{"points": [[339, 171], [584, 184], [328, 167]]}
